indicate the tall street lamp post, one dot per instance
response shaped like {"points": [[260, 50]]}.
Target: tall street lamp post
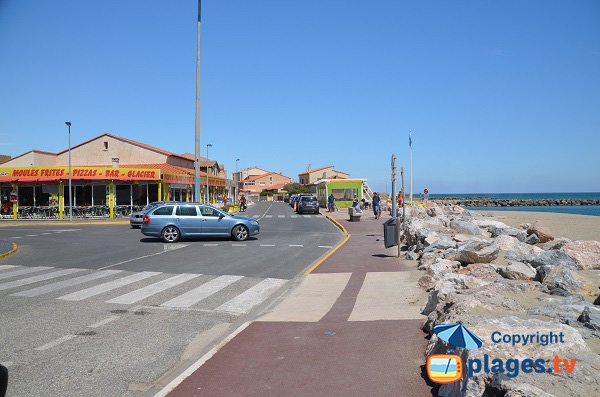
{"points": [[197, 144], [68, 123], [207, 194]]}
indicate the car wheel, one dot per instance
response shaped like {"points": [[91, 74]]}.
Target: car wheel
{"points": [[170, 234], [240, 233]]}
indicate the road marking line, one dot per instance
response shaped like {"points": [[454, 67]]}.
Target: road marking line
{"points": [[255, 216], [263, 215], [46, 233], [267, 245], [211, 245], [31, 235], [4, 267], [55, 342], [293, 216], [152, 289], [295, 245], [238, 245], [306, 216], [173, 248], [269, 216], [38, 278], [24, 271], [194, 367], [16, 237], [109, 286], [251, 297], [280, 216], [104, 322], [202, 292], [337, 247], [44, 289], [324, 246]]}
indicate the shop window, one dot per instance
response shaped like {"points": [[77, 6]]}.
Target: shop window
{"points": [[344, 194], [262, 184]]}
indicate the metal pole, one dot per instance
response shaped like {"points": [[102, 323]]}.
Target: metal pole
{"points": [[236, 181], [68, 123], [393, 186], [207, 194], [197, 152], [411, 191], [403, 213]]}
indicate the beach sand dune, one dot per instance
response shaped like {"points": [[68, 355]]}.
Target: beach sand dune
{"points": [[575, 227]]}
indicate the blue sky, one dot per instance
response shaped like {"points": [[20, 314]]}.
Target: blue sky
{"points": [[501, 96]]}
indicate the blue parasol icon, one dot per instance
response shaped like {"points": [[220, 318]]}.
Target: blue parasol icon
{"points": [[457, 335]]}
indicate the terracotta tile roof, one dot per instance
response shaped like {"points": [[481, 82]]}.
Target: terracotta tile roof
{"points": [[131, 141], [317, 169], [255, 177]]}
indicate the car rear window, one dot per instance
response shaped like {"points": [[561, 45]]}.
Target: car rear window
{"points": [[166, 210], [309, 199]]}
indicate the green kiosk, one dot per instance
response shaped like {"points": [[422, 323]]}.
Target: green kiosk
{"points": [[343, 190]]}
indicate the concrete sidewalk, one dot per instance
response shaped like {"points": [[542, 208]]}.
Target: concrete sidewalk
{"points": [[351, 327]]}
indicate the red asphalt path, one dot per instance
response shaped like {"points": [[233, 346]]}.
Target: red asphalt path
{"points": [[332, 357]]}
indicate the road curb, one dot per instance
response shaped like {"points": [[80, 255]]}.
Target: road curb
{"points": [[64, 223], [334, 249], [14, 249]]}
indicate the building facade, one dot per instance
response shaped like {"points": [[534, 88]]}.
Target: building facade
{"points": [[310, 176], [107, 171]]}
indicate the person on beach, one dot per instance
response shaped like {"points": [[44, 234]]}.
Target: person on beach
{"points": [[376, 205], [331, 203]]}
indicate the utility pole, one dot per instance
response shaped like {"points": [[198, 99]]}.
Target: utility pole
{"points": [[207, 198], [197, 152], [393, 186], [68, 123], [402, 192]]}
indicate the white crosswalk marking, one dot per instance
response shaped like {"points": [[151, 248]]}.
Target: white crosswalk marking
{"points": [[252, 297], [152, 289], [306, 216], [4, 267], [294, 216], [44, 289], [23, 271], [269, 216], [202, 292], [109, 286], [38, 278], [255, 216], [280, 216]]}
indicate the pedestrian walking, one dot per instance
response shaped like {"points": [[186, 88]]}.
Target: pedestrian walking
{"points": [[242, 203], [376, 205], [331, 203]]}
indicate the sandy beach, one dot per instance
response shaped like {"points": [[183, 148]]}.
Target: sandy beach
{"points": [[575, 227]]}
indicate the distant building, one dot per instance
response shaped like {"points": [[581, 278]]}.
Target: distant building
{"points": [[4, 157], [253, 185], [310, 177]]}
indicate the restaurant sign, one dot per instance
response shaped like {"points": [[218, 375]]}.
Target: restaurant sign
{"points": [[49, 174]]}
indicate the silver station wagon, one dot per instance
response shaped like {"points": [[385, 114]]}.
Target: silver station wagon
{"points": [[174, 220]]}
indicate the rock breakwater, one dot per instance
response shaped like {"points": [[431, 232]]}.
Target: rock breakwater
{"points": [[483, 202], [492, 277]]}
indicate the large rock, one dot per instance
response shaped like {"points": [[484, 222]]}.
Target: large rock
{"points": [[440, 243], [516, 250], [542, 231], [487, 224], [465, 227], [551, 258], [554, 244], [518, 271], [562, 278], [532, 239], [590, 317], [476, 251], [585, 253], [520, 235]]}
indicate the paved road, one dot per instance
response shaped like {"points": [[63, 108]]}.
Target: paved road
{"points": [[101, 310]]}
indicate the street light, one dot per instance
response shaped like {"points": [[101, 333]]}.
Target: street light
{"points": [[237, 182], [68, 123], [207, 195]]}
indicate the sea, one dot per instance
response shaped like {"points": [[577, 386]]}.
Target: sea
{"points": [[593, 210]]}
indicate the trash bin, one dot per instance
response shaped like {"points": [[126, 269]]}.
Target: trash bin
{"points": [[390, 233]]}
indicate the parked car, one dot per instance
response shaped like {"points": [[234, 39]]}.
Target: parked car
{"points": [[137, 218], [307, 204], [293, 198], [175, 220]]}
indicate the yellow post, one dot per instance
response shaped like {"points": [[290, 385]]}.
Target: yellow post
{"points": [[16, 203], [167, 192], [61, 200], [160, 191], [111, 199], [187, 193]]}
